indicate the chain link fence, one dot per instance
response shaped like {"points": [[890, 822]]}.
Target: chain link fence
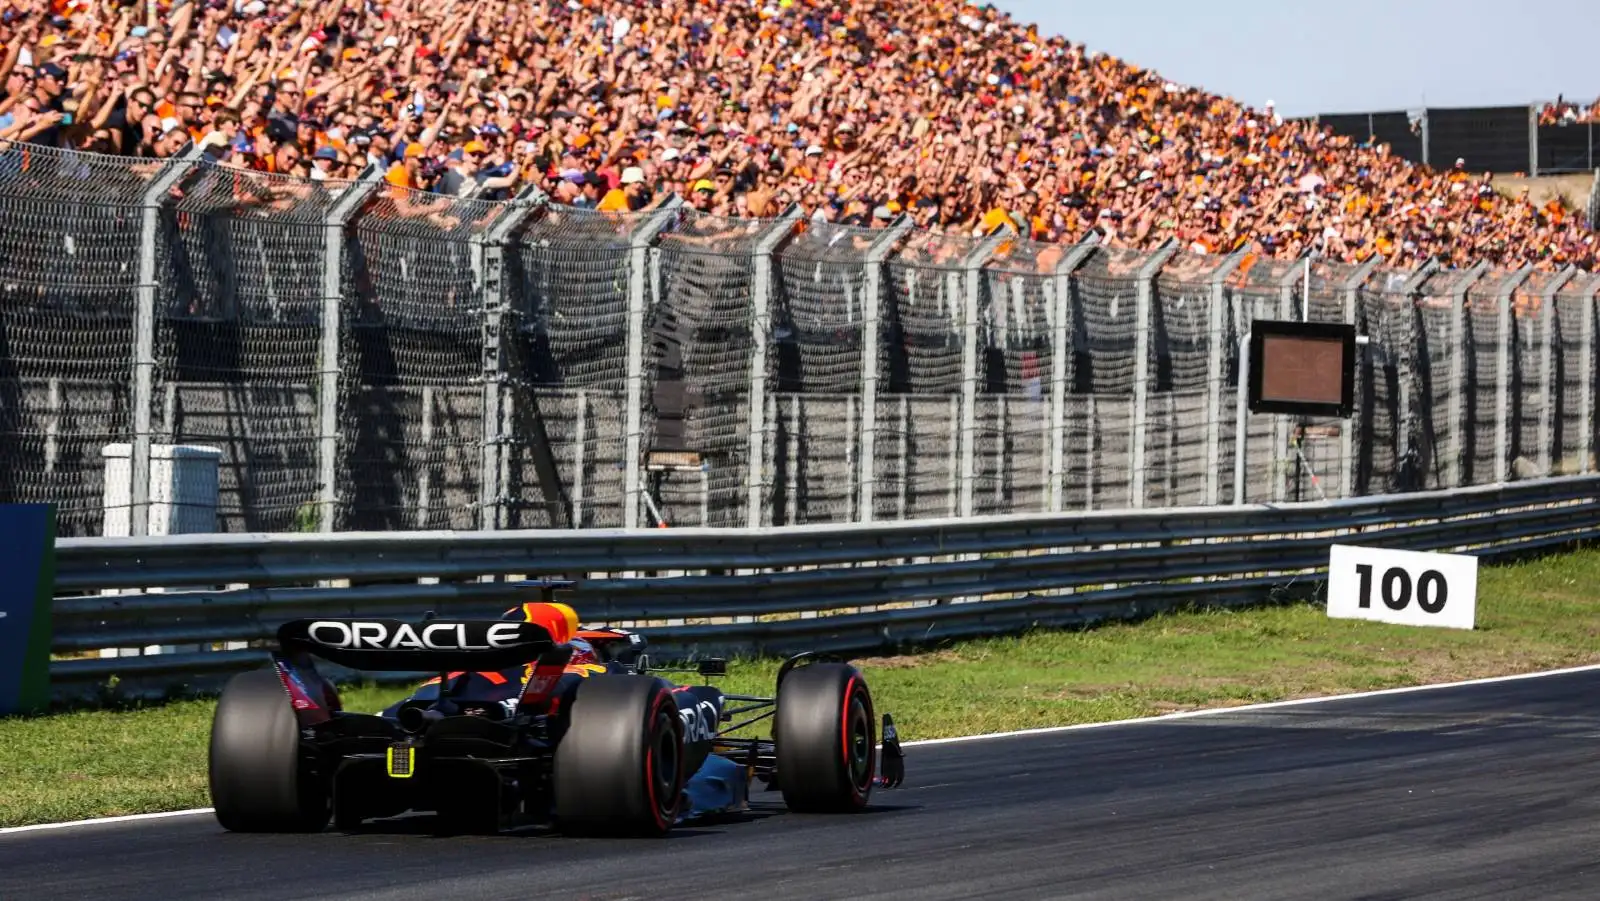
{"points": [[1018, 310], [708, 360], [411, 414], [362, 356], [72, 232], [564, 425], [825, 321], [926, 312], [238, 333]]}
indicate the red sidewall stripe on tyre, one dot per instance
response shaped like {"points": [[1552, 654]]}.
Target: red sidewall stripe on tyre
{"points": [[650, 761], [844, 741]]}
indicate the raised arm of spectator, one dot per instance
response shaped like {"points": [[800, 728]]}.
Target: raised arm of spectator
{"points": [[244, 44], [90, 77], [26, 36], [38, 124], [463, 27], [108, 106], [431, 133], [166, 72], [21, 118]]}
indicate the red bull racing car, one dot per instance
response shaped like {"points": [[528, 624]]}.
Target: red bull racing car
{"points": [[531, 720]]}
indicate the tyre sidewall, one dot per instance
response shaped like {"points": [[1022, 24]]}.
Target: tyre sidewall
{"points": [[825, 723], [255, 773], [605, 778]]}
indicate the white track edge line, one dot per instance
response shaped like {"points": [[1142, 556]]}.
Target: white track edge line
{"points": [[1247, 708], [99, 821], [1043, 730]]}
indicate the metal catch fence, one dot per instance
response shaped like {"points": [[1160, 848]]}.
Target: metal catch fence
{"points": [[356, 356]]}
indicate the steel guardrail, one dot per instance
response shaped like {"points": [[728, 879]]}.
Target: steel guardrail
{"points": [[774, 590]]}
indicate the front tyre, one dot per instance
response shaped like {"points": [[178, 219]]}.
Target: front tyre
{"points": [[258, 780], [826, 739], [619, 770]]}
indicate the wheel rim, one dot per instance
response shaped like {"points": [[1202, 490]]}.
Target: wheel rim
{"points": [[858, 742], [664, 767]]}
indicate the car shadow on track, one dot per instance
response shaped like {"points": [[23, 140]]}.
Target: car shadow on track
{"points": [[427, 825]]}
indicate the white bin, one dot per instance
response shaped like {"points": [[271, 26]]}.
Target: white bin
{"points": [[183, 501], [183, 489]]}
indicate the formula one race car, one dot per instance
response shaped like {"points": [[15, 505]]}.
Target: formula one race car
{"points": [[531, 720]]}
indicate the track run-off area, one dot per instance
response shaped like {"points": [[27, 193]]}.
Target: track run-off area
{"points": [[1484, 789]]}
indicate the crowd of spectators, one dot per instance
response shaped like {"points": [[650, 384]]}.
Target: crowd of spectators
{"points": [[858, 110], [1565, 112]]}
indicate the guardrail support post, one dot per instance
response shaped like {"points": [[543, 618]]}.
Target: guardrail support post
{"points": [[489, 253], [1502, 410], [1216, 355], [972, 287], [1061, 364], [144, 333], [338, 218], [872, 344], [1547, 369], [1347, 439], [1241, 420], [761, 339], [639, 245], [1144, 298], [1457, 406], [1586, 367]]}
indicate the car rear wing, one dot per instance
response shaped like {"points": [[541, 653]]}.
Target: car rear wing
{"points": [[434, 645]]}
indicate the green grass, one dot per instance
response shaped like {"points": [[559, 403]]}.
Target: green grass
{"points": [[1531, 616]]}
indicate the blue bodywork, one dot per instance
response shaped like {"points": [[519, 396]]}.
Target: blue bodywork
{"points": [[719, 786]]}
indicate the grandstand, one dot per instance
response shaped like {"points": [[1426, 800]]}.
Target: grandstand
{"points": [[856, 110]]}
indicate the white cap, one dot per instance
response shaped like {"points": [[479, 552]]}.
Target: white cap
{"points": [[633, 175]]}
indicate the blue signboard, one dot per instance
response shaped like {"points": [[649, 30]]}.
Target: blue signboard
{"points": [[27, 583]]}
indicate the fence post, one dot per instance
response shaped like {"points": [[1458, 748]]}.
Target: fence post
{"points": [[1216, 356], [1533, 140], [1502, 411], [1594, 192], [761, 338], [144, 333], [1426, 139], [871, 345], [1406, 416], [1457, 408], [639, 244], [1586, 362], [1347, 438], [489, 253], [338, 218], [1061, 364], [1144, 298], [1547, 368], [1280, 424], [972, 268]]}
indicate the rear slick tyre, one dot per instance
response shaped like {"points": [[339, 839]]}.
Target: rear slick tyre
{"points": [[826, 739], [619, 770], [258, 780]]}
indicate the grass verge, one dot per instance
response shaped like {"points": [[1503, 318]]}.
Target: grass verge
{"points": [[1536, 615]]}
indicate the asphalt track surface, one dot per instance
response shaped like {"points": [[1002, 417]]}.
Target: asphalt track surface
{"points": [[1481, 791]]}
